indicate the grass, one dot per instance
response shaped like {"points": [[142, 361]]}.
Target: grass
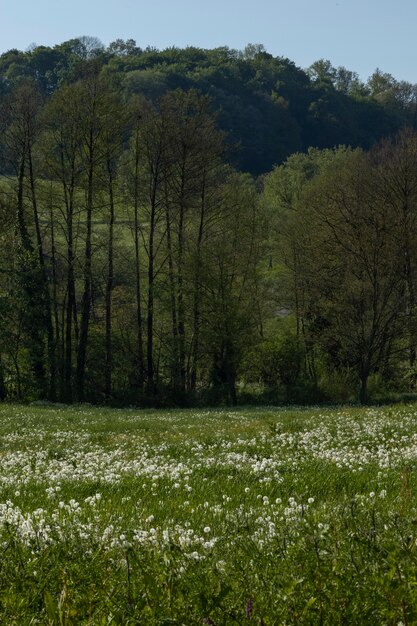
{"points": [[251, 516]]}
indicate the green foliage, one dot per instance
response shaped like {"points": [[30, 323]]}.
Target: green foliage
{"points": [[339, 386], [339, 242], [137, 265], [268, 106], [278, 359]]}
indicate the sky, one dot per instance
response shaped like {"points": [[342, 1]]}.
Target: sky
{"points": [[358, 34]]}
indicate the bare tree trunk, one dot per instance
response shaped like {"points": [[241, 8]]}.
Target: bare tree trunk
{"points": [[180, 291], [56, 331], [71, 312], [363, 391], [3, 390], [86, 297], [139, 322], [109, 289], [411, 303], [197, 292], [45, 297], [28, 279], [23, 232], [150, 315], [174, 322]]}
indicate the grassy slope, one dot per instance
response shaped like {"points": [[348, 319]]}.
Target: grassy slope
{"points": [[251, 516]]}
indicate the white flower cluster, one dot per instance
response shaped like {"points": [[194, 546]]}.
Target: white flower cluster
{"points": [[199, 492]]}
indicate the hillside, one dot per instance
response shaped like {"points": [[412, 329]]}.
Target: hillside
{"points": [[268, 107]]}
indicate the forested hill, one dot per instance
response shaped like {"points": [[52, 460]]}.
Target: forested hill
{"points": [[268, 107]]}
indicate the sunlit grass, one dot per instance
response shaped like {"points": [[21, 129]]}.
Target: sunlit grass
{"points": [[258, 516]]}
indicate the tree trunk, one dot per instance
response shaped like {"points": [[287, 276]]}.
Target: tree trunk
{"points": [[180, 300], [150, 316], [109, 289], [410, 308], [363, 392], [174, 364], [29, 280], [44, 297], [139, 323], [54, 305], [3, 391], [231, 380], [71, 306], [86, 298], [196, 312]]}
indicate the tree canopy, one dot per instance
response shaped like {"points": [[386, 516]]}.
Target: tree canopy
{"points": [[268, 107]]}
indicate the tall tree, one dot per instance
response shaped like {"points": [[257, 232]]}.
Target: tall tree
{"points": [[395, 164], [193, 150], [21, 120], [132, 172], [114, 123], [231, 262], [153, 141], [62, 153], [358, 295], [95, 109]]}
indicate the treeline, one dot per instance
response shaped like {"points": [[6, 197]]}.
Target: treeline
{"points": [[268, 107], [129, 249], [343, 229], [138, 266]]}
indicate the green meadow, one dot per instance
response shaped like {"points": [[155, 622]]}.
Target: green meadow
{"points": [[246, 516]]}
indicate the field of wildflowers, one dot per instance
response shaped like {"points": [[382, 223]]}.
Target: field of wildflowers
{"points": [[250, 516]]}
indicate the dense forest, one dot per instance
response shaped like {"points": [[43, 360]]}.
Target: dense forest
{"points": [[204, 226]]}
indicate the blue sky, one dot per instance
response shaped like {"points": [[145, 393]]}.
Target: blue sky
{"points": [[359, 34]]}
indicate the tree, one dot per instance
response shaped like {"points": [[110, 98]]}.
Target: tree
{"points": [[359, 298], [291, 242], [121, 47], [395, 165], [83, 128], [21, 120], [114, 124], [61, 147], [230, 275], [322, 72], [193, 150], [152, 138]]}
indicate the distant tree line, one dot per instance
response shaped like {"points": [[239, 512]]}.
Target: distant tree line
{"points": [[267, 106], [138, 265]]}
